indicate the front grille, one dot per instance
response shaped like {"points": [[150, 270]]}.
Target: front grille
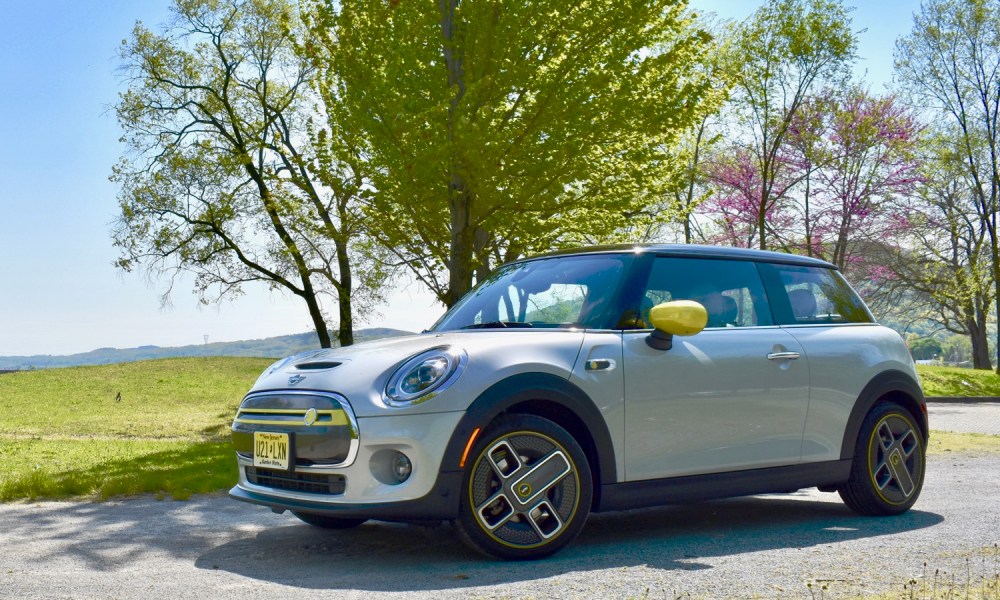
{"points": [[310, 483]]}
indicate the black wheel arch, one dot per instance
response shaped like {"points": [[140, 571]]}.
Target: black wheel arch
{"points": [[895, 386], [547, 396]]}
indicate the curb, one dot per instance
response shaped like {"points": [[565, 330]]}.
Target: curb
{"points": [[961, 399]]}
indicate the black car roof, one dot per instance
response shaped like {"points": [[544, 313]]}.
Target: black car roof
{"points": [[697, 251]]}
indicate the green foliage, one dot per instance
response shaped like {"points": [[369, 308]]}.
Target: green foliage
{"points": [[947, 248], [948, 64], [501, 129], [924, 348], [67, 432], [221, 178]]}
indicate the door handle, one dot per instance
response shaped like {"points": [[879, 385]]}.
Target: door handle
{"points": [[783, 355], [599, 364]]}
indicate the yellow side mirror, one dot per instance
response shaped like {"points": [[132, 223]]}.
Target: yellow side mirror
{"points": [[680, 317]]}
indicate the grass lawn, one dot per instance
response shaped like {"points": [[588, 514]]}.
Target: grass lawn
{"points": [[951, 381], [942, 442], [67, 432]]}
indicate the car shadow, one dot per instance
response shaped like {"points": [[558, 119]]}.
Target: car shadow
{"points": [[387, 557]]}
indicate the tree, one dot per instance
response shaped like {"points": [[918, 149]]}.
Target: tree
{"points": [[687, 177], [735, 208], [500, 129], [950, 63], [924, 348], [862, 163], [222, 178], [944, 251], [777, 57]]}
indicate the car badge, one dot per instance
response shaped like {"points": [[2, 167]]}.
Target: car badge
{"points": [[294, 379], [310, 417]]}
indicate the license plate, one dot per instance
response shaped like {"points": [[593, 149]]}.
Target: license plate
{"points": [[270, 450]]}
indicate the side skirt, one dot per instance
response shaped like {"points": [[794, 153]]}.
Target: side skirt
{"points": [[657, 492]]}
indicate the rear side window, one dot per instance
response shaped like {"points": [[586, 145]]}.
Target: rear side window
{"points": [[731, 291], [812, 296]]}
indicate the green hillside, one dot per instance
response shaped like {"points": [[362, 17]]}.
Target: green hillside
{"points": [[952, 381], [155, 426]]}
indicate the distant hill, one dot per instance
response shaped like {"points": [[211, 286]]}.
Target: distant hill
{"points": [[273, 347]]}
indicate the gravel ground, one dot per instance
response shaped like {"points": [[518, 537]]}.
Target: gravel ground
{"points": [[965, 417], [774, 546]]}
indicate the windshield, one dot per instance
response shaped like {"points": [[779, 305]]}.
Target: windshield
{"points": [[570, 291]]}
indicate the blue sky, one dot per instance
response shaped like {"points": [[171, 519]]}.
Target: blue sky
{"points": [[59, 293]]}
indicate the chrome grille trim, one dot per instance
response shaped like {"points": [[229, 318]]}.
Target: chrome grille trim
{"points": [[345, 406]]}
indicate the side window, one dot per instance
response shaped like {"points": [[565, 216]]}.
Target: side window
{"points": [[731, 291], [815, 295]]}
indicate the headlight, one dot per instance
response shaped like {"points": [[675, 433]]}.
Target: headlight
{"points": [[419, 377]]}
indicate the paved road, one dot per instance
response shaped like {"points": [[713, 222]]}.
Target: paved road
{"points": [[965, 417], [776, 546]]}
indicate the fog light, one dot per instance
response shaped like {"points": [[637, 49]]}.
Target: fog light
{"points": [[401, 467]]}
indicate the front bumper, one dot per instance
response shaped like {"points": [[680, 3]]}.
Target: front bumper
{"points": [[439, 505], [359, 487]]}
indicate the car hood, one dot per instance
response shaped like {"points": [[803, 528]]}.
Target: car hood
{"points": [[360, 372]]}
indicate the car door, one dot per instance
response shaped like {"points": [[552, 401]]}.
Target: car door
{"points": [[732, 397]]}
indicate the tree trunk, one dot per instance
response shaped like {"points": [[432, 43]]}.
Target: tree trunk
{"points": [[980, 346], [762, 221], [462, 243], [319, 323], [345, 335], [809, 242], [460, 200]]}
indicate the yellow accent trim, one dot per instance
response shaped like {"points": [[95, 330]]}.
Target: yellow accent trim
{"points": [[337, 417]]}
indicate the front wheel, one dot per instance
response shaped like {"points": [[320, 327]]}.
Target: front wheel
{"points": [[889, 461], [527, 492]]}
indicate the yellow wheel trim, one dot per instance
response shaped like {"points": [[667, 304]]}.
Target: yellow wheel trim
{"points": [[576, 477], [871, 444]]}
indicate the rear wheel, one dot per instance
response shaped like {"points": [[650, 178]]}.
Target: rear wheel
{"points": [[328, 522], [527, 492], [889, 462]]}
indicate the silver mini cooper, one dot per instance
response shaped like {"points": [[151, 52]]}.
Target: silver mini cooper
{"points": [[595, 380]]}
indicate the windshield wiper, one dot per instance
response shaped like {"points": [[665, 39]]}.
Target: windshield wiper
{"points": [[498, 325]]}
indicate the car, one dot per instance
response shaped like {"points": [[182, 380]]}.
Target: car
{"points": [[592, 380]]}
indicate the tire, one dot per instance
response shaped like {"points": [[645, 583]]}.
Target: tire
{"points": [[889, 463], [327, 522], [527, 490]]}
